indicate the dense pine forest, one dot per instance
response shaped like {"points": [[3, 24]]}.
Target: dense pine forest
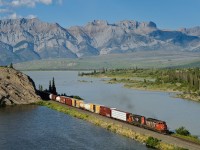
{"points": [[189, 78]]}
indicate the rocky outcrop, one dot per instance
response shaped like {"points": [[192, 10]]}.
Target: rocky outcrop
{"points": [[195, 31], [32, 39], [16, 88]]}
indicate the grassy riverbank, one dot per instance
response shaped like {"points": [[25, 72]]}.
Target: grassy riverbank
{"points": [[188, 138], [186, 82], [116, 128]]}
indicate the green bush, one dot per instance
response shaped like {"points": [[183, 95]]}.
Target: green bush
{"points": [[109, 127], [152, 142], [77, 97], [183, 131], [113, 79]]}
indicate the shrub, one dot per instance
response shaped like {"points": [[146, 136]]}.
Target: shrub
{"points": [[152, 142], [113, 79], [182, 131], [109, 127], [76, 97]]}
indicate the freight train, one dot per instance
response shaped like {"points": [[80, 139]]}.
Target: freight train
{"points": [[137, 120]]}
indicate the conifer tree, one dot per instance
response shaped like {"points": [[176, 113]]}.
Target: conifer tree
{"points": [[11, 65], [53, 87], [50, 87], [41, 88]]}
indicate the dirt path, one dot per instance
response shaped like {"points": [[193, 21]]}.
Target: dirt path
{"points": [[165, 138]]}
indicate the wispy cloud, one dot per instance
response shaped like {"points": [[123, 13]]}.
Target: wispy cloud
{"points": [[16, 16], [19, 3], [28, 3], [5, 10], [8, 7], [31, 16], [47, 2], [13, 16]]}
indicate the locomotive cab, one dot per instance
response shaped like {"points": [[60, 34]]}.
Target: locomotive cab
{"points": [[156, 125], [161, 126]]}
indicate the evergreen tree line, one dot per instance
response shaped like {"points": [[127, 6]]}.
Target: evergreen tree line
{"points": [[189, 77], [52, 87]]}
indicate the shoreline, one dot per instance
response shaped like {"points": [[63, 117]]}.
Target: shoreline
{"points": [[114, 126], [178, 94]]}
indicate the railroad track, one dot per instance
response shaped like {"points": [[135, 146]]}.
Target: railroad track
{"points": [[165, 138]]}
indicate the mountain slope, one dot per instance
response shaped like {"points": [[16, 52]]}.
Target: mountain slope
{"points": [[31, 39]]}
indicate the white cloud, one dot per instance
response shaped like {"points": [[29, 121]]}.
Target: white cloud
{"points": [[19, 3], [31, 16], [4, 10], [30, 3], [13, 16], [8, 7], [16, 16], [27, 3], [47, 2]]}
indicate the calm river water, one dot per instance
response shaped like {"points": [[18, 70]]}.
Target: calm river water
{"points": [[36, 127], [176, 112], [40, 128]]}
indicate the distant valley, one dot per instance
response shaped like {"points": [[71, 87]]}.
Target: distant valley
{"points": [[23, 40]]}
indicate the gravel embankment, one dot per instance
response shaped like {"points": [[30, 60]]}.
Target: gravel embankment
{"points": [[165, 138]]}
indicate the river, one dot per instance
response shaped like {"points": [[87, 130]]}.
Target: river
{"points": [[40, 128], [160, 105]]}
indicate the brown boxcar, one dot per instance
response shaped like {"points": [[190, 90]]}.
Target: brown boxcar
{"points": [[157, 125], [105, 111], [68, 101], [62, 99]]}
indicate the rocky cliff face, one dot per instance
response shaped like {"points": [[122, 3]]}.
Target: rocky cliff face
{"points": [[16, 88], [31, 39]]}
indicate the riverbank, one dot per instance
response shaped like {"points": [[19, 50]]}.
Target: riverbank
{"points": [[169, 88], [162, 80], [130, 131]]}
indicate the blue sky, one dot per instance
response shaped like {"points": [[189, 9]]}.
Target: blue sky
{"points": [[167, 14]]}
